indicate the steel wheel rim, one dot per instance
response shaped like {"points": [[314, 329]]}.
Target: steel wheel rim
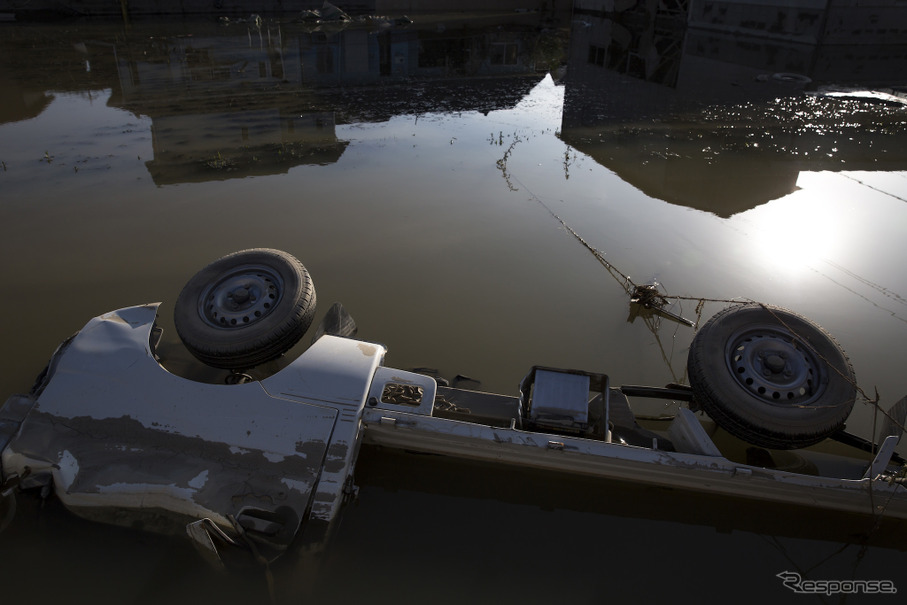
{"points": [[775, 367], [242, 297]]}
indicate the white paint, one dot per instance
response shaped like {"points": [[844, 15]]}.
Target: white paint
{"points": [[199, 480], [299, 486], [138, 495], [68, 469]]}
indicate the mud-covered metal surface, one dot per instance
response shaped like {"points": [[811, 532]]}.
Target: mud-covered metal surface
{"points": [[414, 169], [121, 440], [693, 467]]}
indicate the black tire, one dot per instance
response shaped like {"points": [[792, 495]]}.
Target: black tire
{"points": [[771, 377], [246, 308]]}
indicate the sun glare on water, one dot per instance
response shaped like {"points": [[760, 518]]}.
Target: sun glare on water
{"points": [[792, 234]]}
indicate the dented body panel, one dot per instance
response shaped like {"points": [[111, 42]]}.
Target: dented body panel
{"points": [[123, 440]]}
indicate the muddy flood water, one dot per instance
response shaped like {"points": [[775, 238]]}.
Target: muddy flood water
{"points": [[437, 178]]}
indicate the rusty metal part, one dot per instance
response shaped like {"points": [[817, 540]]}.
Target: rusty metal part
{"points": [[405, 394]]}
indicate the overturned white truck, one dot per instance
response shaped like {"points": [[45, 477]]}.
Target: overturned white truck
{"points": [[253, 464]]}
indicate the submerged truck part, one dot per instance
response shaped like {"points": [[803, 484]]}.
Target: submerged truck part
{"points": [[261, 464], [124, 441]]}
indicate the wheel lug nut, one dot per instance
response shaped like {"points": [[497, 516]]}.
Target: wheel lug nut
{"points": [[775, 364]]}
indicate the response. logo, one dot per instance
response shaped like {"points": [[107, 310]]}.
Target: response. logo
{"points": [[795, 582]]}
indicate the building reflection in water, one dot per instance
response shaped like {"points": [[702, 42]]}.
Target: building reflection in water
{"points": [[675, 96], [245, 100], [693, 111]]}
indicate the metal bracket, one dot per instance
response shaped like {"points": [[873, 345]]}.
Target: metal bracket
{"points": [[880, 462]]}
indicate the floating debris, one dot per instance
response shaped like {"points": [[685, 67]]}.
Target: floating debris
{"points": [[328, 13], [649, 297], [219, 162]]}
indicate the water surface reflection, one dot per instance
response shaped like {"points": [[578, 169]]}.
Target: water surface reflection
{"points": [[415, 171]]}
